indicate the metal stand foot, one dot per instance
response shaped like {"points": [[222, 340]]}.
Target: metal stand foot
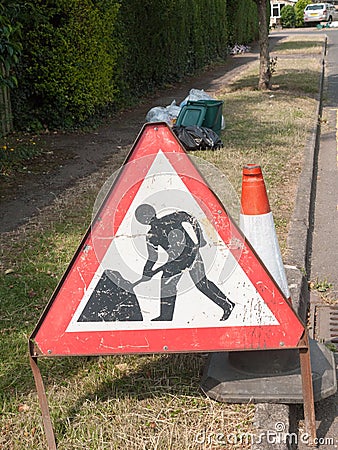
{"points": [[307, 388], [47, 422]]}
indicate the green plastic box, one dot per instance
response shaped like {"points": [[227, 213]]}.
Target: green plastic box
{"points": [[202, 113]]}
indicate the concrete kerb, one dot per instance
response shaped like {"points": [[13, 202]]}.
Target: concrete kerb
{"points": [[297, 267]]}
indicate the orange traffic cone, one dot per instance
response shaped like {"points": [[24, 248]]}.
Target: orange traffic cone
{"points": [[256, 222]]}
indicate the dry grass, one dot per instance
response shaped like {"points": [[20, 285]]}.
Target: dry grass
{"points": [[270, 128], [306, 45], [143, 402]]}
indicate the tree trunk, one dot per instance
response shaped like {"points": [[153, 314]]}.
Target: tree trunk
{"points": [[6, 123], [264, 66]]}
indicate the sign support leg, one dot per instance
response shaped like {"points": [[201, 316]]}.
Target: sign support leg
{"points": [[47, 422], [307, 387]]}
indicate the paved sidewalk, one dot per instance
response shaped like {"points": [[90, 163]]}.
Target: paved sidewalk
{"points": [[325, 242]]}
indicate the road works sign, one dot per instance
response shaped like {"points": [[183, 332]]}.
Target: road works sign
{"points": [[163, 268]]}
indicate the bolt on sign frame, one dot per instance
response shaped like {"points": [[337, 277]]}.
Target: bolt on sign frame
{"points": [[96, 311]]}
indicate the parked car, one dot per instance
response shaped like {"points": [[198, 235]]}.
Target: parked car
{"points": [[319, 12]]}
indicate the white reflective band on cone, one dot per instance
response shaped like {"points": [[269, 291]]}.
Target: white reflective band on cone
{"points": [[261, 233]]}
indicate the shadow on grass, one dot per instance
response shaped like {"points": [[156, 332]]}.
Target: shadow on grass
{"points": [[32, 272], [157, 376], [296, 45], [304, 82]]}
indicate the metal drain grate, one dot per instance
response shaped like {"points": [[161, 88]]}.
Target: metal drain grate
{"points": [[334, 324], [326, 323]]}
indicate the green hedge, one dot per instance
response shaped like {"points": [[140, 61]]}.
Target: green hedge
{"points": [[166, 40], [68, 64], [80, 56], [243, 21]]}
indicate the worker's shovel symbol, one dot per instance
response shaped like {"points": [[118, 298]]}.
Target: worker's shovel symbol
{"points": [[113, 299]]}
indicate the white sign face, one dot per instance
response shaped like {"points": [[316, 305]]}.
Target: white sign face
{"points": [[211, 291]]}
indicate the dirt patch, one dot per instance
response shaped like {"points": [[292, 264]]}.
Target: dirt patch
{"points": [[70, 157]]}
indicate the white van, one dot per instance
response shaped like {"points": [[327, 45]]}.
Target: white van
{"points": [[319, 12]]}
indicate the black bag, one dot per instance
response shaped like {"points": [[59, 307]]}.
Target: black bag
{"points": [[193, 137]]}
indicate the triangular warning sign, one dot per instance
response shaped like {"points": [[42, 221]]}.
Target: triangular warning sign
{"points": [[163, 268]]}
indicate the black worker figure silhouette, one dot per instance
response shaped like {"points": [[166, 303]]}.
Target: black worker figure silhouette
{"points": [[180, 235]]}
